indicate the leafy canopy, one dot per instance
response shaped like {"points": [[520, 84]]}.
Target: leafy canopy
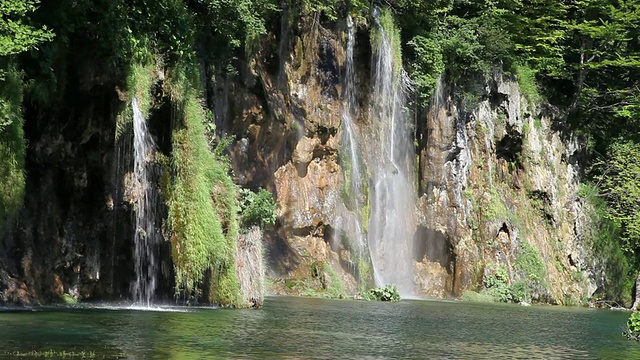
{"points": [[16, 34]]}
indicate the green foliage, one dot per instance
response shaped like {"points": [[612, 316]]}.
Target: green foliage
{"points": [[633, 326], [496, 285], [382, 293], [140, 80], [532, 270], [474, 45], [521, 291], [234, 21], [620, 181], [496, 210], [426, 66], [529, 262], [605, 246], [68, 299], [12, 146], [203, 210], [16, 34], [526, 77], [257, 208]]}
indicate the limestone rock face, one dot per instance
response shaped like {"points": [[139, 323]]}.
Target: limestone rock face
{"points": [[286, 116], [500, 186], [496, 185]]}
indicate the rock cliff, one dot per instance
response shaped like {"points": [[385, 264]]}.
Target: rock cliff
{"points": [[497, 179]]}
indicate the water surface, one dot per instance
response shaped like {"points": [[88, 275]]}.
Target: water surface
{"points": [[295, 328]]}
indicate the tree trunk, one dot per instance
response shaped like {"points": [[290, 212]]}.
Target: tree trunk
{"points": [[582, 74]]}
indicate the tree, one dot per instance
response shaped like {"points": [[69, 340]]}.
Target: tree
{"points": [[620, 183], [16, 35]]}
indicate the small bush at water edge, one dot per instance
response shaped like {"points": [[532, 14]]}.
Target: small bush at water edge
{"points": [[383, 293], [632, 330]]}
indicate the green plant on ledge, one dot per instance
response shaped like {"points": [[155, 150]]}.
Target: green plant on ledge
{"points": [[257, 208], [382, 293]]}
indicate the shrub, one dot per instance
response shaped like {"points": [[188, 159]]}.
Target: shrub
{"points": [[632, 330], [495, 283], [383, 293], [257, 208]]}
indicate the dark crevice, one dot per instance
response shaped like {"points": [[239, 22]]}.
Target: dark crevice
{"points": [[435, 247], [509, 147]]}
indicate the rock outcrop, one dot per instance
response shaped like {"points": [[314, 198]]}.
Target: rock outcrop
{"points": [[499, 187]]}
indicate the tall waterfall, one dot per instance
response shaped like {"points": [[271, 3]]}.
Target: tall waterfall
{"points": [[145, 233], [393, 195], [350, 141]]}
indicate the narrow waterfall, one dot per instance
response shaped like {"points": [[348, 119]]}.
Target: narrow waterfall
{"points": [[352, 164], [145, 232], [393, 195]]}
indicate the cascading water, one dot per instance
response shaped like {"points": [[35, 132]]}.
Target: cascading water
{"points": [[392, 223], [350, 141], [145, 232]]}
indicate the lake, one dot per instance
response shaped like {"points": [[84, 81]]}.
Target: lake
{"points": [[306, 328]]}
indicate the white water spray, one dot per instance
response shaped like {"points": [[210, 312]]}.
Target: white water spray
{"points": [[145, 233], [350, 140], [392, 224]]}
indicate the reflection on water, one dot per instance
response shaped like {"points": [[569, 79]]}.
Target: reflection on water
{"points": [[315, 328]]}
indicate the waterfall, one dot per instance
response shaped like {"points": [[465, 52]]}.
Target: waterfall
{"points": [[392, 223], [350, 141], [145, 232]]}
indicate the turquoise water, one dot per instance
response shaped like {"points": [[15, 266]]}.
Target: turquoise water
{"points": [[303, 328]]}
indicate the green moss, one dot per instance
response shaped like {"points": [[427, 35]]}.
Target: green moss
{"points": [[365, 272], [335, 288], [528, 261], [537, 123], [203, 208], [496, 210]]}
